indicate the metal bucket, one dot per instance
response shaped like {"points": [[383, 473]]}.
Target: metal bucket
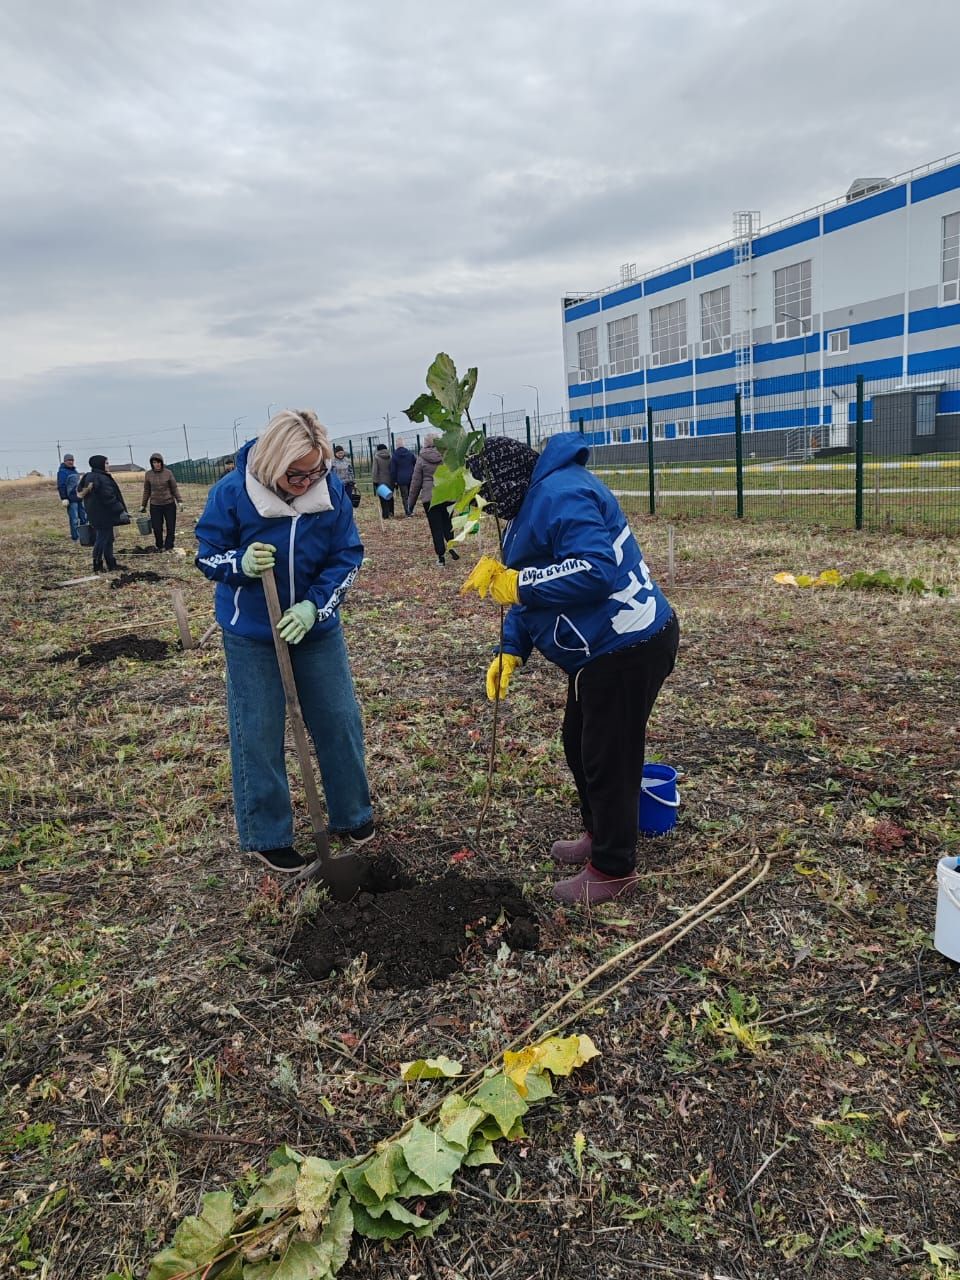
{"points": [[144, 525]]}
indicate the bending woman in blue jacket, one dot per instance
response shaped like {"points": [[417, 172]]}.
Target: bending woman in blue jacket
{"points": [[581, 594], [284, 508]]}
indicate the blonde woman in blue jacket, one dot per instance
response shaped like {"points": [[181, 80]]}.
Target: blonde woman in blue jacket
{"points": [[284, 508]]}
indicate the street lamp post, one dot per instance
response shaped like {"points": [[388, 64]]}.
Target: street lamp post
{"points": [[804, 323], [503, 418], [236, 423], [531, 387], [270, 408]]}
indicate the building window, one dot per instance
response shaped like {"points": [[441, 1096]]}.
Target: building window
{"points": [[950, 259], [623, 346], [659, 431], [927, 414], [685, 426], [587, 354], [792, 301], [668, 333], [715, 321], [839, 341]]}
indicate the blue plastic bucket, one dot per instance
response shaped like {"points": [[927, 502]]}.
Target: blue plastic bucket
{"points": [[384, 491], [658, 800]]}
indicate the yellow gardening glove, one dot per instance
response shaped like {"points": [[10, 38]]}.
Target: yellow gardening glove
{"points": [[498, 675], [481, 576], [505, 587]]}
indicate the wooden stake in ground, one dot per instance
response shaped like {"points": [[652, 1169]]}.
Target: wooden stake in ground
{"points": [[207, 634], [671, 564], [183, 621]]}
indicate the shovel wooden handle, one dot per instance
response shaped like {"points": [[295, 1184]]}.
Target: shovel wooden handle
{"points": [[296, 719]]}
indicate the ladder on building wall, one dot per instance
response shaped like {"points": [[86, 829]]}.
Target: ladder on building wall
{"points": [[746, 223]]}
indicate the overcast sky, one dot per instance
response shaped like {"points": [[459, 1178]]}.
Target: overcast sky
{"points": [[212, 206]]}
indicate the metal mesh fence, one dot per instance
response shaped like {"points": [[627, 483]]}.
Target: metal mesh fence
{"points": [[842, 448]]}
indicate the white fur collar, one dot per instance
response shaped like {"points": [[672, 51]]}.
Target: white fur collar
{"points": [[270, 504]]}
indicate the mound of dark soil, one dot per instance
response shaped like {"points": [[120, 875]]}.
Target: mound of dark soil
{"points": [[97, 655], [414, 933], [124, 579], [143, 551]]}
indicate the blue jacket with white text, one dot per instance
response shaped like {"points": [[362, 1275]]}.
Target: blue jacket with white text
{"points": [[318, 549], [584, 587]]}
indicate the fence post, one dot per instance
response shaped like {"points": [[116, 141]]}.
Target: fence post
{"points": [[858, 500], [738, 433], [581, 426], [653, 492], [352, 463], [527, 421]]}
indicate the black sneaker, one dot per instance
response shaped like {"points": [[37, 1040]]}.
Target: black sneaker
{"points": [[360, 835], [285, 862], [454, 555]]}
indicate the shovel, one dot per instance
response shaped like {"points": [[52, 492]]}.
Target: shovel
{"points": [[343, 873]]}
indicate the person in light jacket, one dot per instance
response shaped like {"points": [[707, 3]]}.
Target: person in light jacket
{"points": [[581, 593], [161, 493], [421, 486], [105, 509], [381, 476], [284, 508]]}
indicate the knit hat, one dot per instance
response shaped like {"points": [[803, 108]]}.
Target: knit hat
{"points": [[506, 466], [68, 457]]}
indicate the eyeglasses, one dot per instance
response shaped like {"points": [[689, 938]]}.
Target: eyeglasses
{"points": [[298, 477]]}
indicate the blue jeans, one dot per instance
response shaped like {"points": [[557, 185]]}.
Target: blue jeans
{"points": [[77, 517], [257, 711]]}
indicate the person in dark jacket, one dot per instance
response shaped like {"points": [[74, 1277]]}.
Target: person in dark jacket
{"points": [[421, 486], [343, 468], [284, 508], [105, 509], [161, 493], [381, 480], [581, 593], [401, 471], [68, 478]]}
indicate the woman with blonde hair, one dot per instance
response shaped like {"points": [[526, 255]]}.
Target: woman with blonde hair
{"points": [[284, 508]]}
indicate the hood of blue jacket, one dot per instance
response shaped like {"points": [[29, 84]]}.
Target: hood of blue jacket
{"points": [[560, 451]]}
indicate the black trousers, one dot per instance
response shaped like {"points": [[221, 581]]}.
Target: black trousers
{"points": [[103, 547], [604, 738], [160, 516], [386, 507], [441, 527]]}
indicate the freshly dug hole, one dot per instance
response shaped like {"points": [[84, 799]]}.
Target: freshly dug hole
{"points": [[124, 579], [413, 932]]}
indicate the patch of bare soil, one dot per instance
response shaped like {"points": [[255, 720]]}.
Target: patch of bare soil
{"points": [[414, 933], [125, 579], [104, 651]]}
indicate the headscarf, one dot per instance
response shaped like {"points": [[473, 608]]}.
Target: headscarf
{"points": [[506, 467]]}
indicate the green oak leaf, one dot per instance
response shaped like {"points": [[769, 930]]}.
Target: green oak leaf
{"points": [[448, 485]]}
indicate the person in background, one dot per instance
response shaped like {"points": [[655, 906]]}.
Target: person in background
{"points": [[580, 592], [401, 471], [381, 477], [161, 493], [421, 486], [105, 509], [284, 508], [68, 478], [343, 468]]}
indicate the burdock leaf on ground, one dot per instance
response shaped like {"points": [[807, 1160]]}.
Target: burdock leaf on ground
{"points": [[314, 1190], [381, 1170], [500, 1098], [430, 1156], [301, 1261], [277, 1192], [458, 1119], [430, 1068]]}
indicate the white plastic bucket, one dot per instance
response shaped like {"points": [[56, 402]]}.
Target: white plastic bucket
{"points": [[946, 931]]}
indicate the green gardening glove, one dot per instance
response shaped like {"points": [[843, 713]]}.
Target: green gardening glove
{"points": [[297, 621], [257, 557]]}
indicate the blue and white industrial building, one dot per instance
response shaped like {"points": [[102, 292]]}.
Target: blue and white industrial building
{"points": [[787, 314]]}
